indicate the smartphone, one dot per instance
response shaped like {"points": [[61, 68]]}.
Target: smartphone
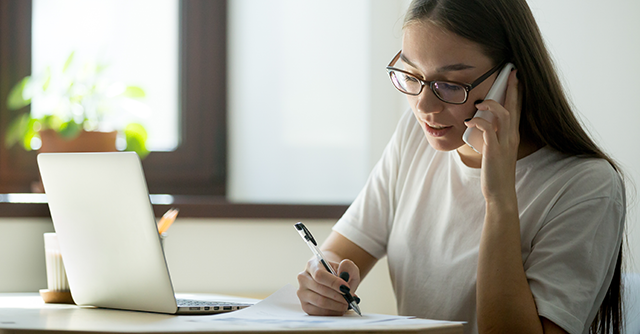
{"points": [[473, 136]]}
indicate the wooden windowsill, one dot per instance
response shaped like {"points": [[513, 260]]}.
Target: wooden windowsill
{"points": [[35, 205]]}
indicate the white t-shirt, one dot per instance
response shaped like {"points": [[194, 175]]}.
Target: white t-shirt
{"points": [[424, 209]]}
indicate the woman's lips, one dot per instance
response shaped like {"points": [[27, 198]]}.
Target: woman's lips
{"points": [[437, 131]]}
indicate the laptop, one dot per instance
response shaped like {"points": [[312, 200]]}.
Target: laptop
{"points": [[109, 241]]}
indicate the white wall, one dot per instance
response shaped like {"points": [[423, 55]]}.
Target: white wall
{"points": [[22, 248]]}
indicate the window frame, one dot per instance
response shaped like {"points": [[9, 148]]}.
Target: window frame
{"points": [[198, 165]]}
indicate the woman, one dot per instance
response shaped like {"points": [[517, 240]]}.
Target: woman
{"points": [[525, 237]]}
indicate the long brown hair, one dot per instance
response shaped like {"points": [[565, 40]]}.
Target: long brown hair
{"points": [[506, 30]]}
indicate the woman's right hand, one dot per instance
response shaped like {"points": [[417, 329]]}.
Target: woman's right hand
{"points": [[319, 290]]}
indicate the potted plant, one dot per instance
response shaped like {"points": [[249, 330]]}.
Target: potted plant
{"points": [[76, 108]]}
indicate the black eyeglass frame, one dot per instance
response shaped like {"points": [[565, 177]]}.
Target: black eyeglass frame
{"points": [[467, 87]]}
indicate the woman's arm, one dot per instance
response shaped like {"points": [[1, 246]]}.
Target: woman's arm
{"points": [[342, 248], [319, 290], [504, 302]]}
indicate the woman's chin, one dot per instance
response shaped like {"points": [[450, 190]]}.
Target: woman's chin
{"points": [[444, 144]]}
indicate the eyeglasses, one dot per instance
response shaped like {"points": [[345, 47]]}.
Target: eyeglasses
{"points": [[446, 91]]}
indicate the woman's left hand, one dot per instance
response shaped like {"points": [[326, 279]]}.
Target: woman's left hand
{"points": [[501, 142]]}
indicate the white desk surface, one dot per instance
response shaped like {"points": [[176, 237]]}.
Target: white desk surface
{"points": [[26, 312]]}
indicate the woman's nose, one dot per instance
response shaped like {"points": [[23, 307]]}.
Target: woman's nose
{"points": [[427, 102]]}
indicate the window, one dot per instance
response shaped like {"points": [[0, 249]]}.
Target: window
{"points": [[137, 46], [198, 165]]}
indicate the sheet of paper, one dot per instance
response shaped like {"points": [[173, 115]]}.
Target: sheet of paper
{"points": [[282, 310]]}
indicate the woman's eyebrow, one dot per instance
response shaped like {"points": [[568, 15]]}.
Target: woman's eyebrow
{"points": [[407, 61], [446, 68], [454, 67]]}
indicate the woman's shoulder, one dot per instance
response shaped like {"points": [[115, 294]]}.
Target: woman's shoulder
{"points": [[580, 174], [584, 166], [547, 158]]}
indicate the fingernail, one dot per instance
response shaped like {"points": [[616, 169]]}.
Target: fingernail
{"points": [[468, 119], [345, 276], [345, 289]]}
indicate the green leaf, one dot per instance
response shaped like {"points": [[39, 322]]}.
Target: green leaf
{"points": [[134, 92], [29, 134], [136, 137], [69, 130], [101, 67], [52, 122], [16, 130], [67, 63], [16, 99], [47, 78]]}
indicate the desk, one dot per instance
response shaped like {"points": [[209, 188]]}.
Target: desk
{"points": [[26, 313]]}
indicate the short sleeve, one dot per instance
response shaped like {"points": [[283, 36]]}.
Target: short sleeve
{"points": [[574, 253], [367, 221]]}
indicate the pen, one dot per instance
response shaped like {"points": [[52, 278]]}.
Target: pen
{"points": [[313, 245], [167, 219]]}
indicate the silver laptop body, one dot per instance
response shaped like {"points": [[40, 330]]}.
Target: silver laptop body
{"points": [[102, 215]]}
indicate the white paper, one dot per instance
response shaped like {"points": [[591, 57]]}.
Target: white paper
{"points": [[282, 310]]}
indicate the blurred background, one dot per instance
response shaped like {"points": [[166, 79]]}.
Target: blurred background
{"points": [[280, 101]]}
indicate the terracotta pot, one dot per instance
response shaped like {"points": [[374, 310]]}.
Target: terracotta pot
{"points": [[85, 142]]}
